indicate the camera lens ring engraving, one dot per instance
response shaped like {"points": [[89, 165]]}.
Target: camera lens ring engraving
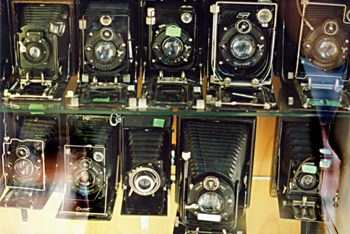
{"points": [[264, 15], [146, 175], [105, 20], [244, 26], [211, 203], [22, 151], [330, 27], [307, 181], [172, 47], [243, 46]]}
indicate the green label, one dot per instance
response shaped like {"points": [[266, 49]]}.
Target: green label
{"points": [[309, 169], [173, 31], [158, 123], [332, 103], [316, 103], [35, 106], [107, 99]]}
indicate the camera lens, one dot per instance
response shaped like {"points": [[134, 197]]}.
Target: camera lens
{"points": [[34, 52], [172, 47], [22, 151], [85, 178], [211, 202], [24, 167], [144, 183], [307, 181], [105, 51], [243, 46], [327, 48]]}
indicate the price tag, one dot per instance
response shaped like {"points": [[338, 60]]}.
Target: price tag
{"points": [[173, 31]]}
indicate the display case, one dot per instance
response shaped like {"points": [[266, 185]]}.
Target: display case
{"points": [[149, 116]]}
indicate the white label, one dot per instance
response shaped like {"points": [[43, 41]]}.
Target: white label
{"points": [[209, 217], [144, 223]]}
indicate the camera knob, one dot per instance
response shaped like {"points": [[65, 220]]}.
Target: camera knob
{"points": [[151, 13]]}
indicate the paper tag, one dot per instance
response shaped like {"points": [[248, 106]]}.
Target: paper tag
{"points": [[35, 106], [158, 123], [209, 217], [173, 31], [309, 169], [144, 223]]}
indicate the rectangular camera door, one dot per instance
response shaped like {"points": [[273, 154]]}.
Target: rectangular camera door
{"points": [[91, 166]]}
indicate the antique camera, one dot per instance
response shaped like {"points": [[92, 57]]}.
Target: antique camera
{"points": [[29, 159], [108, 48], [174, 52], [42, 35], [242, 46], [214, 173], [146, 164], [91, 163], [5, 58], [320, 43], [299, 166]]}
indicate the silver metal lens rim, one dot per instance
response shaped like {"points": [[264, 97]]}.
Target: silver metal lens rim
{"points": [[186, 17], [108, 37], [241, 29], [326, 26], [98, 156], [25, 149], [211, 178], [105, 20], [134, 182], [262, 13]]}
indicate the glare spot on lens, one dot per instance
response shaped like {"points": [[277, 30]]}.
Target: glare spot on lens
{"points": [[34, 52], [327, 48], [105, 51], [243, 47], [211, 202], [85, 178], [172, 47]]}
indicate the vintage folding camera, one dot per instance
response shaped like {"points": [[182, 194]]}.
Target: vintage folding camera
{"points": [[316, 53], [91, 165], [214, 173], [242, 47], [299, 167], [42, 48], [5, 59], [146, 164], [30, 153], [174, 51], [108, 49]]}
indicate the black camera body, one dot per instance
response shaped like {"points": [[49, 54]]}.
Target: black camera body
{"points": [[43, 41], [109, 40], [316, 53], [146, 164], [174, 51], [242, 49], [91, 163], [5, 59], [299, 168], [29, 158], [214, 173]]}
